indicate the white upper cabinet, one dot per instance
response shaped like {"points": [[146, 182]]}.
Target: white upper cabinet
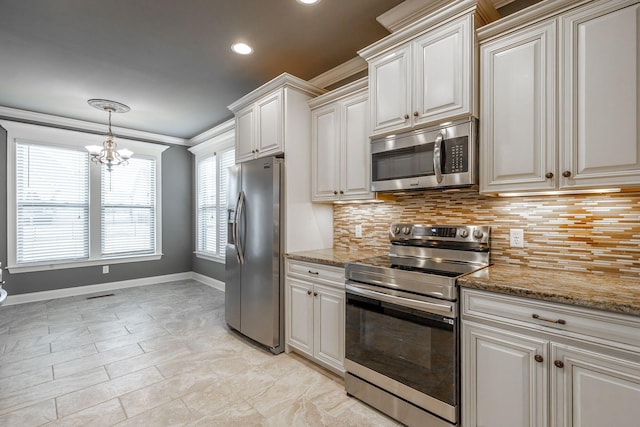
{"points": [[579, 131], [517, 126], [600, 95], [264, 115], [426, 73], [340, 144]]}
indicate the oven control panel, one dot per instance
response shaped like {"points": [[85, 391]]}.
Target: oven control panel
{"points": [[403, 232]]}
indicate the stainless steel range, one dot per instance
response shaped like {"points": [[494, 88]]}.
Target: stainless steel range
{"points": [[402, 344]]}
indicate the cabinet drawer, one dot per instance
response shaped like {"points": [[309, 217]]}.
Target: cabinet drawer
{"points": [[317, 272], [541, 315]]}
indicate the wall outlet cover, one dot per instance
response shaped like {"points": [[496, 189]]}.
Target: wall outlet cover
{"points": [[105, 269], [359, 231], [516, 238]]}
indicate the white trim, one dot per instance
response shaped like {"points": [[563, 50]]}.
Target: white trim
{"points": [[210, 257], [407, 12], [500, 3], [48, 119], [28, 268], [209, 281], [339, 73], [229, 125], [343, 91], [221, 141], [89, 289]]}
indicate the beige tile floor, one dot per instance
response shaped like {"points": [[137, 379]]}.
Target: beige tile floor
{"points": [[153, 356]]}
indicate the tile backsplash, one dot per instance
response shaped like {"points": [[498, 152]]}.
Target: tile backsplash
{"points": [[597, 233]]}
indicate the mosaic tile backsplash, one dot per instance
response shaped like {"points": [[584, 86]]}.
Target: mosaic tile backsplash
{"points": [[594, 233]]}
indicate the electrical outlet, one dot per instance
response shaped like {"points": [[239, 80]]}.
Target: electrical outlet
{"points": [[516, 238], [105, 269], [359, 231]]}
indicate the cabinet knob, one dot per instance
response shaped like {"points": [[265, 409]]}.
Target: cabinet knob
{"points": [[406, 117], [538, 358], [257, 150], [566, 174], [335, 192], [253, 151], [341, 192], [308, 292], [548, 175], [558, 363], [315, 294], [415, 114]]}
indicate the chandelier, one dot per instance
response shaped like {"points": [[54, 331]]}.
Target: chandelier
{"points": [[108, 154]]}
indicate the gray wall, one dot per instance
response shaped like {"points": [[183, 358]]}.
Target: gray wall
{"points": [[177, 233]]}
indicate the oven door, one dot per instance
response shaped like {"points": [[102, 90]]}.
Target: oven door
{"points": [[405, 344]]}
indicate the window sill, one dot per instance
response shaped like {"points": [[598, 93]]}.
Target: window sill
{"points": [[209, 257], [28, 268]]}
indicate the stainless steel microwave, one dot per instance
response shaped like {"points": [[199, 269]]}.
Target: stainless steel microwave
{"points": [[437, 157]]}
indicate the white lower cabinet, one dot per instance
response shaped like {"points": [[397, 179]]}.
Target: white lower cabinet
{"points": [[566, 366], [315, 306]]}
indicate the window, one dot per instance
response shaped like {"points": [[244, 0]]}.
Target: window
{"points": [[65, 211], [128, 208], [212, 181], [52, 204]]}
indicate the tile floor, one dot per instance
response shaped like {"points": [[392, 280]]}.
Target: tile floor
{"points": [[153, 356]]}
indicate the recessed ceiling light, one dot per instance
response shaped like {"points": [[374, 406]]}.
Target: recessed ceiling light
{"points": [[308, 1], [241, 48]]}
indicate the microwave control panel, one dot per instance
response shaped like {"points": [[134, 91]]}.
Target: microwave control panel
{"points": [[456, 155]]}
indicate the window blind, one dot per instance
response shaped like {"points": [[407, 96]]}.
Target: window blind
{"points": [[128, 208], [52, 203], [213, 181]]}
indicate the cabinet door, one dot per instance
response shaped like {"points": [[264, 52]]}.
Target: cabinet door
{"points": [[594, 389], [502, 383], [600, 95], [329, 326], [245, 134], [269, 124], [442, 63], [300, 319], [517, 133], [325, 162], [355, 175], [389, 91]]}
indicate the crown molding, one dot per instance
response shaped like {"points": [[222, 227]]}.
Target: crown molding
{"points": [[339, 73], [283, 80], [407, 12], [349, 89], [221, 129], [500, 3], [25, 116]]}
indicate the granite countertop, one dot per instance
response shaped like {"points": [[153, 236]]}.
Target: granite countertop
{"points": [[337, 257], [599, 291]]}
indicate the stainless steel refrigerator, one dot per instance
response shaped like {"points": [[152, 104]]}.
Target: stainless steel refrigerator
{"points": [[254, 291]]}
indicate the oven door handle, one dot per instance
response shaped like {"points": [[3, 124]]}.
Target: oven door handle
{"points": [[424, 306]]}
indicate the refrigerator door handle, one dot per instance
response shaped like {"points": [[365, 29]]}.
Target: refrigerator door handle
{"points": [[240, 207], [234, 228]]}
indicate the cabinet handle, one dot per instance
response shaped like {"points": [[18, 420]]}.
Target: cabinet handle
{"points": [[308, 292], [315, 294], [406, 117], [566, 174], [544, 319], [313, 272], [558, 364], [538, 358], [415, 114], [548, 175]]}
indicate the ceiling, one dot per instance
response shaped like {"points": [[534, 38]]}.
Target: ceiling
{"points": [[169, 60]]}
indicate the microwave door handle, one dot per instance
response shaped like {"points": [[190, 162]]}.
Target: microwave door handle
{"points": [[437, 157]]}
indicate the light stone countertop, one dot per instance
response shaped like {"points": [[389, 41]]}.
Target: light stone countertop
{"points": [[337, 257], [600, 291]]}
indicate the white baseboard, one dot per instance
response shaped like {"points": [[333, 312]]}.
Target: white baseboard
{"points": [[209, 281], [101, 287]]}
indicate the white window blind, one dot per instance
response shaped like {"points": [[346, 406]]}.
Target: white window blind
{"points": [[212, 185], [52, 203], [129, 208]]}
